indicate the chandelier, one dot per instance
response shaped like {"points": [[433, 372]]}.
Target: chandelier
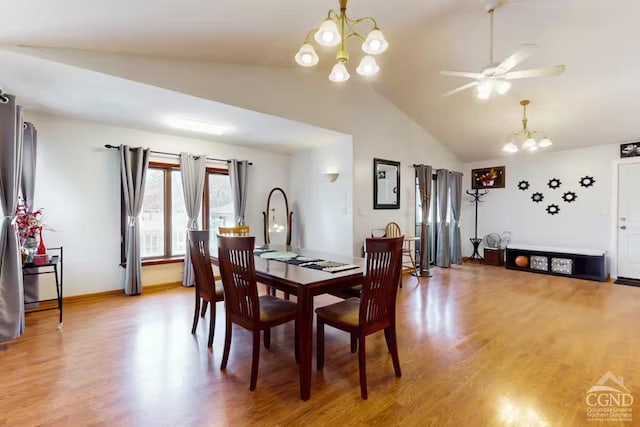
{"points": [[526, 137], [337, 30]]}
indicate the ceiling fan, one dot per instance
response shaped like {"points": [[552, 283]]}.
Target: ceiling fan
{"points": [[495, 78]]}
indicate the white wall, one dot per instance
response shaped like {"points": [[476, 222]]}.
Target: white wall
{"points": [[378, 127], [323, 210], [78, 185], [585, 223]]}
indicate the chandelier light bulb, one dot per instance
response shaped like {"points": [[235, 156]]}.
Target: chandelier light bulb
{"points": [[368, 66], [502, 86], [339, 73], [532, 148], [375, 43], [307, 56], [546, 142], [530, 144], [510, 147], [328, 34]]}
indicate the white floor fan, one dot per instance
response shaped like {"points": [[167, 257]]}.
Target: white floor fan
{"points": [[495, 78]]}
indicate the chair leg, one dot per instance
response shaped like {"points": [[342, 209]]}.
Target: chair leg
{"points": [[296, 341], [320, 344], [392, 343], [255, 360], [212, 322], [267, 338], [354, 343], [204, 308], [227, 345], [362, 364], [415, 267], [196, 313]]}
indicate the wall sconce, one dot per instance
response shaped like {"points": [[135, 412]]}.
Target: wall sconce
{"points": [[331, 176]]}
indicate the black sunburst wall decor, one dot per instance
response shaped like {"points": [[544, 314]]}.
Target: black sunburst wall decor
{"points": [[553, 209], [554, 183], [587, 181], [523, 185], [537, 197], [569, 197]]}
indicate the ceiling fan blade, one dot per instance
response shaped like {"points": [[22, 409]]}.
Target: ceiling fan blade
{"points": [[461, 88], [462, 74], [536, 72], [520, 55]]}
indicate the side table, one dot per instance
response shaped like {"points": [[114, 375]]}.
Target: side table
{"points": [[54, 265]]}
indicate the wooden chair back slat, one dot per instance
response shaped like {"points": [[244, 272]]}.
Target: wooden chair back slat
{"points": [[383, 267], [392, 229], [237, 268], [201, 260]]}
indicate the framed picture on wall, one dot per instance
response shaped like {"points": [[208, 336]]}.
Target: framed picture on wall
{"points": [[493, 177], [631, 149]]}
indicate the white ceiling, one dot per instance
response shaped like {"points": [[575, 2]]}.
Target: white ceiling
{"points": [[47, 86], [592, 103]]}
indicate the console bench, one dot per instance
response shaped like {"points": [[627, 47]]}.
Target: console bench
{"points": [[586, 264]]}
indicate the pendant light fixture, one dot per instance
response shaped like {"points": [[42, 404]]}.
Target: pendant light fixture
{"points": [[337, 30], [525, 137]]}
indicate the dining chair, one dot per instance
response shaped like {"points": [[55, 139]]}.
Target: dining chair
{"points": [[241, 230], [207, 289], [374, 311], [242, 304], [392, 229]]}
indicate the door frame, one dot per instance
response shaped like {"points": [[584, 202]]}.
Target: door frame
{"points": [[614, 218]]}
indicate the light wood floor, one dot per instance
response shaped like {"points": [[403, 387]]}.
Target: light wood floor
{"points": [[478, 346]]}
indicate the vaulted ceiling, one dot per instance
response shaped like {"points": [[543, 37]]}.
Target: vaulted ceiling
{"points": [[592, 103]]}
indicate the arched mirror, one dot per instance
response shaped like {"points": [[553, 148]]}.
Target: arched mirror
{"points": [[277, 218]]}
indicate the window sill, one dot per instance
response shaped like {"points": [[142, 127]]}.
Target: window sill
{"points": [[159, 261]]}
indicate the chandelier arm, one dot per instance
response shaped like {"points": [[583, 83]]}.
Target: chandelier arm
{"points": [[333, 15], [309, 34]]}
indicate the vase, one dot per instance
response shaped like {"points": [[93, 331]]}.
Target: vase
{"points": [[42, 249], [31, 246]]}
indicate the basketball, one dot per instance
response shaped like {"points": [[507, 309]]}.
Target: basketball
{"points": [[522, 261]]}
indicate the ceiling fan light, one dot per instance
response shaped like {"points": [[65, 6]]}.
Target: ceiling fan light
{"points": [[328, 34], [339, 73], [546, 142], [530, 144], [368, 66], [502, 86], [510, 147], [307, 56], [375, 43]]}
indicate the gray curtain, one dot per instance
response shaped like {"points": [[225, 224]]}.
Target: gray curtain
{"points": [[192, 170], [134, 163], [424, 174], [239, 176], [28, 186], [443, 253], [11, 290], [455, 192]]}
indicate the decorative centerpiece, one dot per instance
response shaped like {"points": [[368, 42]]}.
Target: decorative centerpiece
{"points": [[30, 227]]}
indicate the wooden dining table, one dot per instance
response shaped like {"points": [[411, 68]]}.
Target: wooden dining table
{"points": [[305, 283]]}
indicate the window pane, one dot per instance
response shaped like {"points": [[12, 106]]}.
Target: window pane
{"points": [[220, 206], [152, 218]]}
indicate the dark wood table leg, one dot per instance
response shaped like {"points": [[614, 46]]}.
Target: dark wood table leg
{"points": [[305, 335]]}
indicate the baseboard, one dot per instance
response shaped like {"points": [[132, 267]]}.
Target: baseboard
{"points": [[628, 282], [74, 299]]}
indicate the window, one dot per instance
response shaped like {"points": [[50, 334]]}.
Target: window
{"points": [[163, 220]]}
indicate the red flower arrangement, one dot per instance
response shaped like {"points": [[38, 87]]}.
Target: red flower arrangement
{"points": [[29, 222]]}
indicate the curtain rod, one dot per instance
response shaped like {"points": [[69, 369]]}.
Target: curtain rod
{"points": [[164, 153]]}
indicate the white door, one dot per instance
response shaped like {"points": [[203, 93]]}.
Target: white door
{"points": [[629, 221]]}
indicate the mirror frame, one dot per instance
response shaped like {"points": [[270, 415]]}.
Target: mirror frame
{"points": [[376, 204], [288, 213]]}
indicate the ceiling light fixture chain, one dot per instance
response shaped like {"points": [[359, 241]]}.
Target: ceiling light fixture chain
{"points": [[526, 136], [337, 30]]}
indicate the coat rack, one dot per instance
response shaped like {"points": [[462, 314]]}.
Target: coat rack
{"points": [[475, 198]]}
